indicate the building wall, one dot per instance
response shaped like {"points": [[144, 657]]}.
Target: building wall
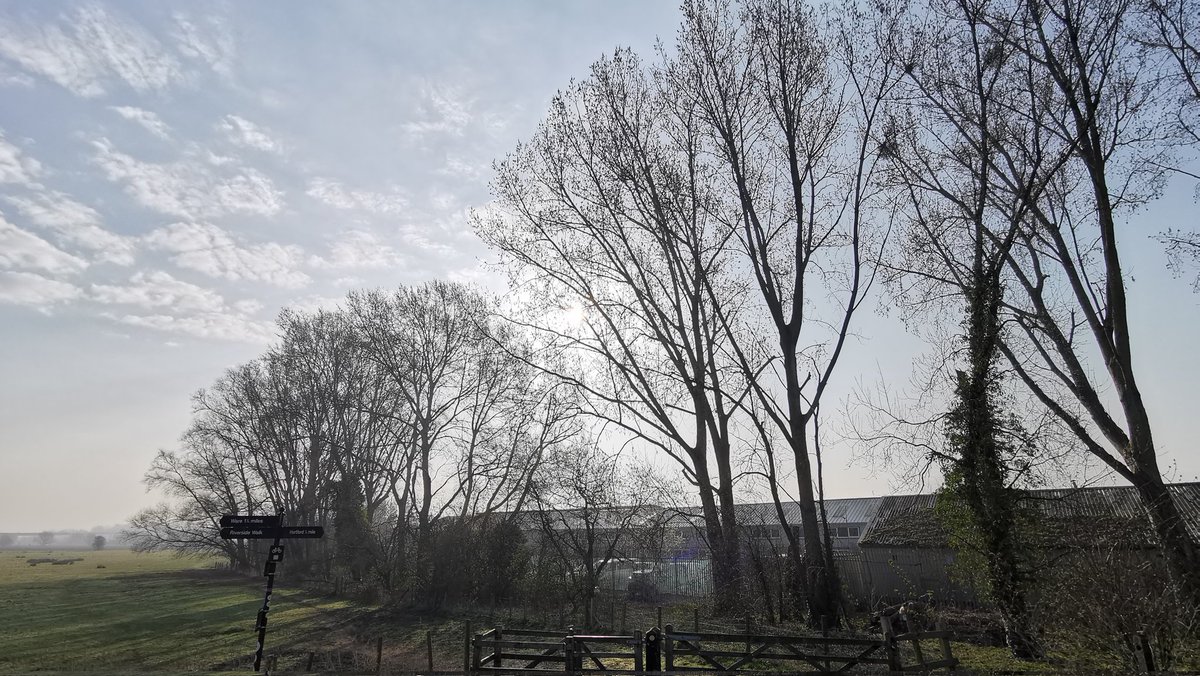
{"points": [[895, 574]]}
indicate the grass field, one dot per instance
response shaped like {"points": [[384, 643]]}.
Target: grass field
{"points": [[117, 611], [149, 611]]}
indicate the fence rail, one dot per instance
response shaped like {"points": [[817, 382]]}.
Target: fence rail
{"points": [[523, 652]]}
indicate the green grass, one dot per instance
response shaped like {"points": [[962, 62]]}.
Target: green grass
{"points": [[151, 611], [126, 612]]}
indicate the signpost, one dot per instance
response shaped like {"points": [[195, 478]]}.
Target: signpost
{"points": [[239, 527]]}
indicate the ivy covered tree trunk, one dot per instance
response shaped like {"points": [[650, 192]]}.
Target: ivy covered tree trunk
{"points": [[977, 467]]}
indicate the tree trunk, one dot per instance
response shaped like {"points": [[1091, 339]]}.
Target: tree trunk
{"points": [[723, 547], [821, 596], [1178, 548]]}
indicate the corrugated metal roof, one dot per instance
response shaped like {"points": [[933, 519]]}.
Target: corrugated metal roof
{"points": [[905, 521], [838, 510], [858, 511], [910, 521]]}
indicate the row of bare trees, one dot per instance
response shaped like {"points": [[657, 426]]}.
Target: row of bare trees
{"points": [[385, 418], [714, 218]]}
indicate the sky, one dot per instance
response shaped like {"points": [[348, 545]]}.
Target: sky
{"points": [[172, 174]]}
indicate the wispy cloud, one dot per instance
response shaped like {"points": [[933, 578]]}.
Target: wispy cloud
{"points": [[15, 166], [209, 42], [21, 249], [457, 167], [148, 119], [441, 109], [27, 288], [245, 133], [358, 249], [208, 325], [75, 224], [339, 196], [88, 50], [12, 78], [158, 289], [209, 249], [156, 300], [190, 188]]}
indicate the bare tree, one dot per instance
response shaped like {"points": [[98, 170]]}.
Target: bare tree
{"points": [[1104, 109], [476, 418], [956, 106], [1183, 254], [789, 105], [587, 512], [605, 213]]}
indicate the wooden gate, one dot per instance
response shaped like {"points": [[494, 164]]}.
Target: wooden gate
{"points": [[708, 652], [527, 652], [518, 651]]}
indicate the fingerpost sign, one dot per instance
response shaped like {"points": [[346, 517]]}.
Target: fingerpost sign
{"points": [[239, 527]]}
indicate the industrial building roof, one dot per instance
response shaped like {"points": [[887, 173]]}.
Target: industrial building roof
{"points": [[1059, 515]]}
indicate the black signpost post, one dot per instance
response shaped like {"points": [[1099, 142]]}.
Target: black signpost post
{"points": [[237, 527]]}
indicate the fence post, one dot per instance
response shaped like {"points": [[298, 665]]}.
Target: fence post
{"points": [[638, 645], [749, 632], [570, 650], [654, 650], [825, 635], [499, 647], [1143, 656], [696, 619], [940, 626], [668, 650], [476, 652], [467, 647], [889, 643], [429, 647], [378, 654], [916, 642]]}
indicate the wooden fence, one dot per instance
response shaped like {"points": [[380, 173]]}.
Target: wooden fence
{"points": [[522, 651]]}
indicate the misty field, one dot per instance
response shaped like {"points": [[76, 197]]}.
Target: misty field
{"points": [[149, 611]]}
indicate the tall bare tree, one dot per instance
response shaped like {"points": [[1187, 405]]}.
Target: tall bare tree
{"points": [[1105, 110], [788, 104], [606, 213]]}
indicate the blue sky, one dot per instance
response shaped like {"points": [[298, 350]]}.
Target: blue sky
{"points": [[172, 174]]}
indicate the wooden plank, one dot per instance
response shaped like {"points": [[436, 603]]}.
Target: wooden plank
{"points": [[550, 655], [795, 655], [589, 653], [823, 666], [519, 670], [776, 640], [699, 652], [537, 658], [535, 632], [749, 657], [863, 659], [944, 641], [605, 638], [540, 645]]}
